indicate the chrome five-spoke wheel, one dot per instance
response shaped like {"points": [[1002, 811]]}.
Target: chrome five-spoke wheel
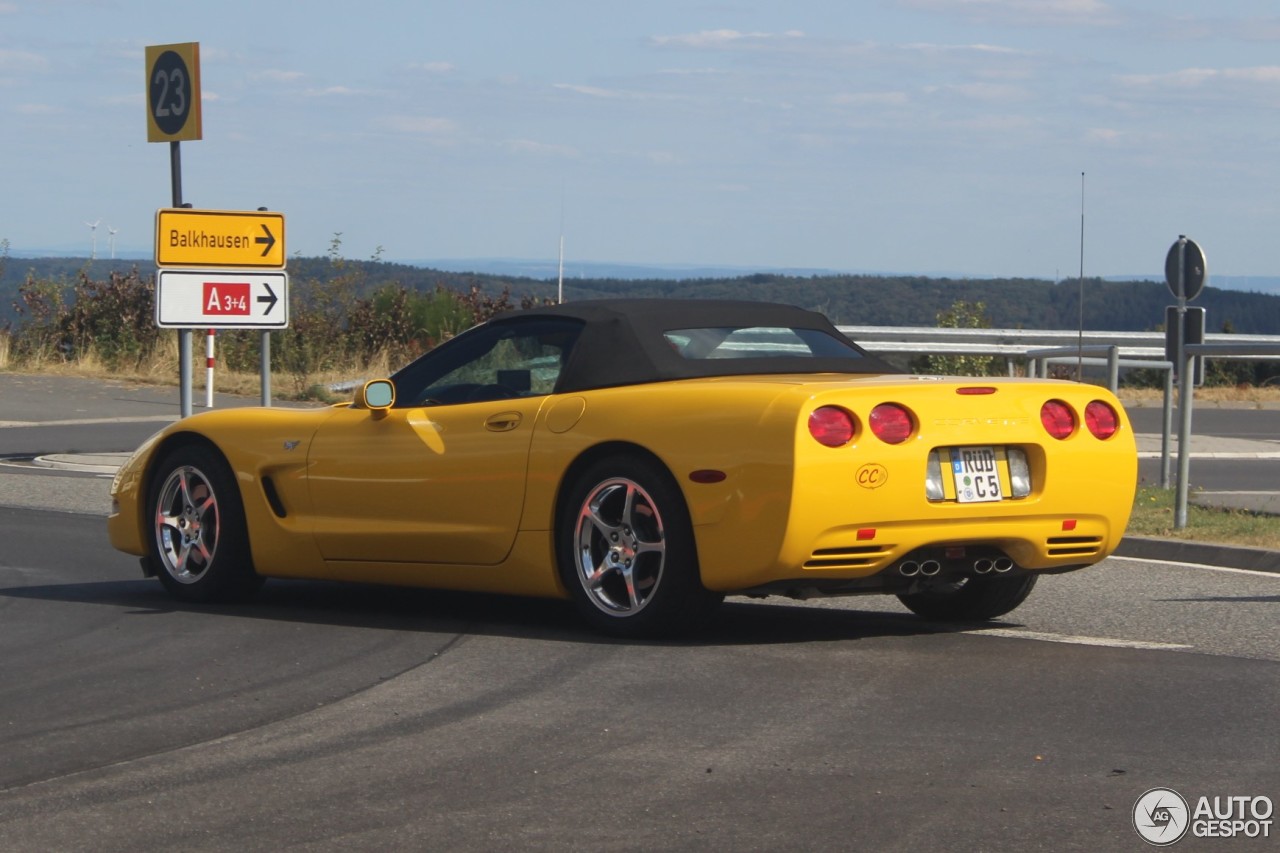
{"points": [[199, 539], [186, 524], [621, 549], [626, 549]]}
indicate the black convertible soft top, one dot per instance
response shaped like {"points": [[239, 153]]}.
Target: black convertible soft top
{"points": [[626, 342]]}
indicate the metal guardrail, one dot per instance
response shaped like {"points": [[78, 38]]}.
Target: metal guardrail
{"points": [[1114, 350]]}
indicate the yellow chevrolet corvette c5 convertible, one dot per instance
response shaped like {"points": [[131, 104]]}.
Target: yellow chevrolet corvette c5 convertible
{"points": [[645, 458]]}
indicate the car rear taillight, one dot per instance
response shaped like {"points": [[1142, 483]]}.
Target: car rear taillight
{"points": [[1057, 418], [891, 423], [1101, 419], [831, 426]]}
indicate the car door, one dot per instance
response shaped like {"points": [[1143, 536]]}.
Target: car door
{"points": [[440, 477], [432, 485]]}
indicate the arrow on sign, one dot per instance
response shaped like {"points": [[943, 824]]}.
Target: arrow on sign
{"points": [[271, 299], [268, 241]]}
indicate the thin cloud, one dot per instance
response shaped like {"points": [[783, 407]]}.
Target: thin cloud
{"points": [[332, 91], [719, 39], [432, 67], [541, 149], [1042, 13], [276, 75], [431, 126], [21, 60], [1196, 77]]}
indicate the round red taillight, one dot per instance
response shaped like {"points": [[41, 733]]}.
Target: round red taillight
{"points": [[1101, 419], [831, 426], [891, 423], [1057, 418]]}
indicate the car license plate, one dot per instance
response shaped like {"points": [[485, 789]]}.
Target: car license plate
{"points": [[976, 475]]}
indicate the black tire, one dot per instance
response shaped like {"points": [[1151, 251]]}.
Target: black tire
{"points": [[626, 551], [971, 600], [199, 542]]}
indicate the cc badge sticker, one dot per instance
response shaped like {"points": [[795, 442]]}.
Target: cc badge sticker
{"points": [[873, 475]]}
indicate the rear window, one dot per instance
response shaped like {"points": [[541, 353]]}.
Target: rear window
{"points": [[757, 342]]}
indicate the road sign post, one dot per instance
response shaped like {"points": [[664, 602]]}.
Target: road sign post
{"points": [[173, 114], [1185, 271]]}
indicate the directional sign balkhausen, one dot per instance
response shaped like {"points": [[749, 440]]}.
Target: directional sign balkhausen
{"points": [[223, 299], [237, 239]]}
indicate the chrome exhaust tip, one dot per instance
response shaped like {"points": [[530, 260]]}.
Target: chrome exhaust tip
{"points": [[909, 569], [983, 566], [1003, 564], [929, 568]]}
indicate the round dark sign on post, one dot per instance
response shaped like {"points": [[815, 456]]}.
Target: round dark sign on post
{"points": [[1195, 270], [173, 92]]}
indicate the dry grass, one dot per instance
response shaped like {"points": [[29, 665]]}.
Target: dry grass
{"points": [[162, 369], [1153, 516], [1243, 396]]}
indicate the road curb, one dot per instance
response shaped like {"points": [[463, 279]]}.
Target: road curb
{"points": [[1207, 553]]}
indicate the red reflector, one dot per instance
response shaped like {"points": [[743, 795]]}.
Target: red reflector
{"points": [[975, 389], [707, 475], [867, 533], [1068, 524]]}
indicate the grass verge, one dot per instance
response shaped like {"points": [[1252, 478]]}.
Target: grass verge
{"points": [[1153, 516]]}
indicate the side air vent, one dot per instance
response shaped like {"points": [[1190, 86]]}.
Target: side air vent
{"points": [[273, 498]]}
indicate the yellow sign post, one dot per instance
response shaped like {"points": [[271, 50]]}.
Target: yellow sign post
{"points": [[234, 239]]}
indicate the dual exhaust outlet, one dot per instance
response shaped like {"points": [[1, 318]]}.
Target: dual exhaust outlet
{"points": [[929, 568]]}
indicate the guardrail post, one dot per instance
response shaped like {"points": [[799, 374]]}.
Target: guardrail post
{"points": [[1113, 368]]}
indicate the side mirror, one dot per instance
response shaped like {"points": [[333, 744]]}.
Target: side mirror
{"points": [[378, 395]]}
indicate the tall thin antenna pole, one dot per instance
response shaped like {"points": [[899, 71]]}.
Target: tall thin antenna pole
{"points": [[560, 280], [560, 285], [1080, 344]]}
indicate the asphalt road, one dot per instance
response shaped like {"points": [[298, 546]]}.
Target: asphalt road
{"points": [[328, 717]]}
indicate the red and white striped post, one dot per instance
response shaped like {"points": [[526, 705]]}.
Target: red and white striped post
{"points": [[208, 368]]}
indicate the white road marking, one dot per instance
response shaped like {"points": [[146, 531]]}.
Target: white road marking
{"points": [[1014, 633], [1254, 572], [90, 421]]}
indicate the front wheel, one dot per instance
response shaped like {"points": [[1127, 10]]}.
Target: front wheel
{"points": [[970, 600], [199, 543], [626, 551]]}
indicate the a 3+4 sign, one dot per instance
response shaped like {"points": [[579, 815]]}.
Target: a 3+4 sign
{"points": [[198, 299]]}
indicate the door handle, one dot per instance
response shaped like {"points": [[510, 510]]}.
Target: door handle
{"points": [[502, 422]]}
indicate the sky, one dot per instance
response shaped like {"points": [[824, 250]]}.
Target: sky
{"points": [[962, 137]]}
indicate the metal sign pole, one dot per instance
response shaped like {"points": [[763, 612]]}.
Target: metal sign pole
{"points": [[266, 368], [1184, 392], [184, 335]]}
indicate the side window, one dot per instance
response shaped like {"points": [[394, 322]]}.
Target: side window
{"points": [[520, 358]]}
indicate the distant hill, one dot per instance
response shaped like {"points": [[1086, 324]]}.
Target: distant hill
{"points": [[874, 299]]}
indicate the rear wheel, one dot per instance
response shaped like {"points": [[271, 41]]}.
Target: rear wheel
{"points": [[199, 540], [626, 551], [971, 600]]}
